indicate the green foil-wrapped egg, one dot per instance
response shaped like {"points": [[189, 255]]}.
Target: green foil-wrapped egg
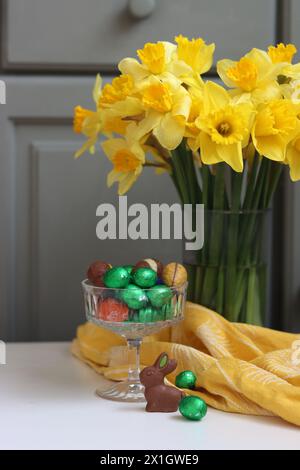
{"points": [[193, 408], [186, 379], [134, 296], [146, 314], [157, 315], [167, 311], [159, 295], [144, 277], [117, 277], [129, 268]]}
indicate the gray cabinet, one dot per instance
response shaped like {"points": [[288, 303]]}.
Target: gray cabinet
{"points": [[96, 34], [47, 200]]}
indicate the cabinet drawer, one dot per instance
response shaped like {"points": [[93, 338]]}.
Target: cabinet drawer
{"points": [[96, 34]]}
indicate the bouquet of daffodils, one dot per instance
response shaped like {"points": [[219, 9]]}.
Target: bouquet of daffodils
{"points": [[223, 144]]}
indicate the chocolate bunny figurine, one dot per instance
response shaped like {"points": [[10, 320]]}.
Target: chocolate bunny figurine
{"points": [[160, 397]]}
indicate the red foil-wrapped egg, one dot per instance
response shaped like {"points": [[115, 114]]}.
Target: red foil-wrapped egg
{"points": [[112, 310], [96, 272]]}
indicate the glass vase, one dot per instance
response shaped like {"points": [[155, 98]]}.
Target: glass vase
{"points": [[230, 274]]}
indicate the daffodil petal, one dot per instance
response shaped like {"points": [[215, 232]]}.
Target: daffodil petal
{"points": [[208, 151], [129, 107], [214, 97], [170, 48], [222, 68], [182, 103], [293, 159], [111, 146], [145, 126], [97, 89], [179, 68], [114, 176], [87, 146], [272, 147], [169, 132], [207, 57], [232, 155], [127, 182], [129, 66]]}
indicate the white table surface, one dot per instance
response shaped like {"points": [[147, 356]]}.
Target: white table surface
{"points": [[47, 401]]}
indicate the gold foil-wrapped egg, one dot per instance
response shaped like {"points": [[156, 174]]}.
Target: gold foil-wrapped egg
{"points": [[174, 275]]}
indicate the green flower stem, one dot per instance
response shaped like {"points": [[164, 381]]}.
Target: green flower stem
{"points": [[246, 234], [216, 236], [206, 177], [251, 183], [276, 171], [230, 276], [187, 164], [180, 177], [253, 306], [232, 245]]}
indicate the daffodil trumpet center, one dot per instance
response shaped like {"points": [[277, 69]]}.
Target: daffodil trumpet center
{"points": [[224, 129], [125, 161], [282, 53], [118, 90], [158, 97], [244, 74], [153, 57]]}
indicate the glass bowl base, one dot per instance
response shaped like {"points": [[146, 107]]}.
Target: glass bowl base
{"points": [[130, 392]]}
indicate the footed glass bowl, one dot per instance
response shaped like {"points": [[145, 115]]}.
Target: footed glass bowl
{"points": [[133, 313]]}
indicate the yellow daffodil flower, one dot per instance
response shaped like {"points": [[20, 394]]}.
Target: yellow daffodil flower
{"points": [[155, 59], [225, 127], [282, 53], [195, 53], [192, 131], [291, 90], [127, 156], [119, 97], [254, 75], [167, 108], [118, 90], [290, 75], [276, 124], [89, 123], [293, 158]]}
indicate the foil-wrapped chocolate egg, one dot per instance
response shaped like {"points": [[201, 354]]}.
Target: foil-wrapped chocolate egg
{"points": [[193, 408], [116, 277], [96, 272], [174, 275], [186, 379], [134, 296], [146, 314], [112, 310], [151, 263], [128, 267], [159, 295], [144, 277]]}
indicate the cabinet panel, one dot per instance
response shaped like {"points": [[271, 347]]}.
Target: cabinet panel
{"points": [[96, 34]]}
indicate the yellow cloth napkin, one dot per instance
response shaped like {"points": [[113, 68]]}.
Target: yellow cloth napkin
{"points": [[240, 368]]}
